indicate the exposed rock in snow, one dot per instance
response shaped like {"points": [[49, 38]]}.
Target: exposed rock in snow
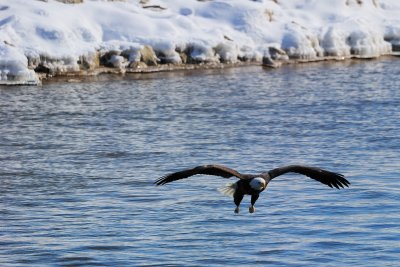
{"points": [[55, 38], [392, 35], [70, 1]]}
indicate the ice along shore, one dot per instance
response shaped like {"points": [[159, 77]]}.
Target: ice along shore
{"points": [[41, 39]]}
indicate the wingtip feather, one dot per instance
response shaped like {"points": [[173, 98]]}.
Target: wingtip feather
{"points": [[160, 181], [340, 182]]}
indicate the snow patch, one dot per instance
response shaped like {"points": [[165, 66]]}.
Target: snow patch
{"points": [[13, 68], [56, 38]]}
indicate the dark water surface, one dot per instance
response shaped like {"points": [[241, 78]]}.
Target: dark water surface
{"points": [[78, 161]]}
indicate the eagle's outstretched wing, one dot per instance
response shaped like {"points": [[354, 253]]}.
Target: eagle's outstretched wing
{"points": [[331, 179], [217, 170]]}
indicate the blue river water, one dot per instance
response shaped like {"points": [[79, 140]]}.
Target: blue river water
{"points": [[78, 162]]}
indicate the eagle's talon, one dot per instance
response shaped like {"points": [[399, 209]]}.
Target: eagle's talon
{"points": [[252, 209]]}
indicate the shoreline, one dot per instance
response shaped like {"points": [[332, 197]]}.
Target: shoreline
{"points": [[101, 72], [104, 73], [41, 40]]}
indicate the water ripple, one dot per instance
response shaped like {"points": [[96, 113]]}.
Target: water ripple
{"points": [[78, 162]]}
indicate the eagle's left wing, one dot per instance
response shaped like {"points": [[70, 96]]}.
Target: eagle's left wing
{"points": [[213, 169]]}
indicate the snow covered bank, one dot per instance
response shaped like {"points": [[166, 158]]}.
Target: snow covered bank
{"points": [[13, 67], [55, 38]]}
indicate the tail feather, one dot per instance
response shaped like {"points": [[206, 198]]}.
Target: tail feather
{"points": [[228, 190]]}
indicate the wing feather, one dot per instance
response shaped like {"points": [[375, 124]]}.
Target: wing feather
{"points": [[217, 170], [331, 179]]}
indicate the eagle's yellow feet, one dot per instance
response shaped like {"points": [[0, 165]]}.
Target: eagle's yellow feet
{"points": [[252, 209]]}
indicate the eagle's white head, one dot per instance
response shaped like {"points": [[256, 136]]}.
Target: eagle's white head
{"points": [[258, 183]]}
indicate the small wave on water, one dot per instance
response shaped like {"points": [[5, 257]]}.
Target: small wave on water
{"points": [[78, 162]]}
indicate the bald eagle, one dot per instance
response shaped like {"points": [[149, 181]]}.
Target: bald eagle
{"points": [[254, 184]]}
